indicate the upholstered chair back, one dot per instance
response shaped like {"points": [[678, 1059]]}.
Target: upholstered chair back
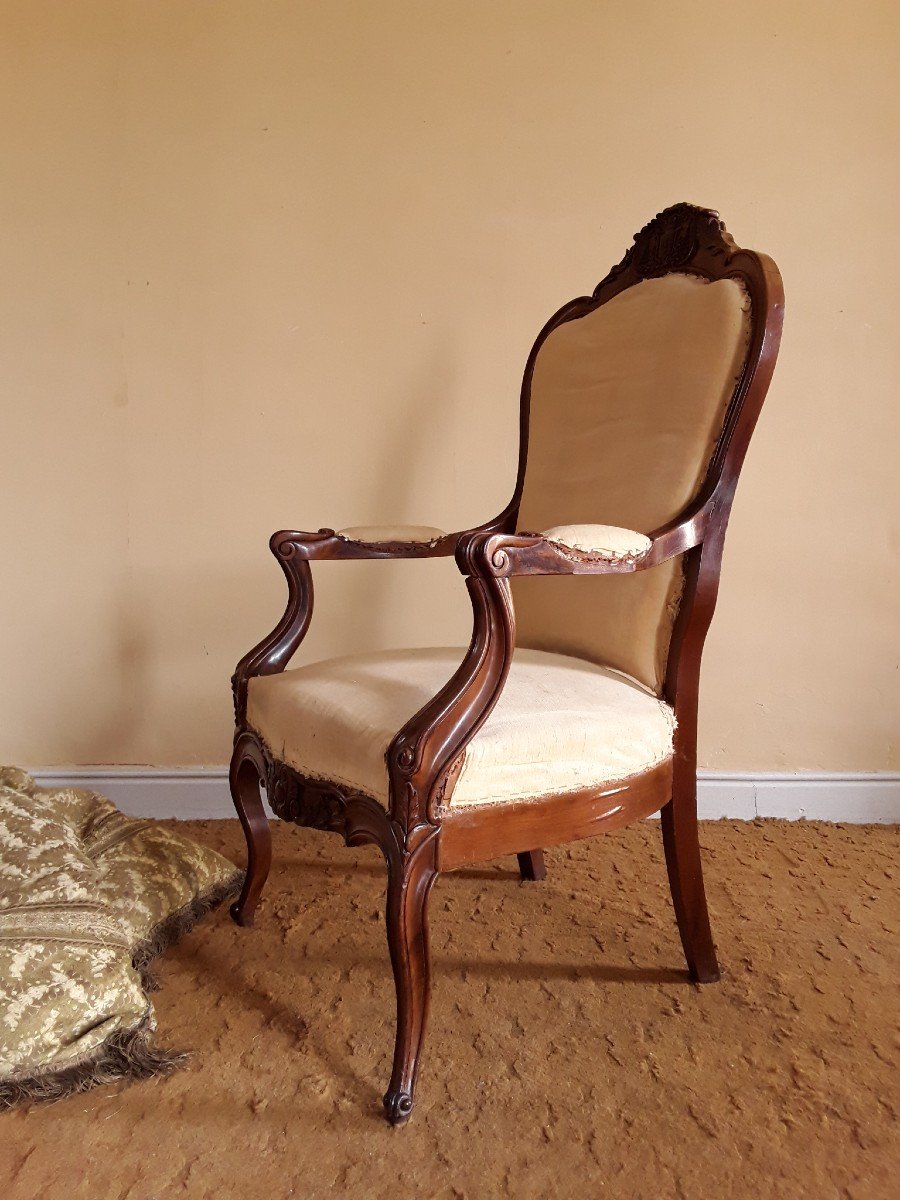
{"points": [[627, 402]]}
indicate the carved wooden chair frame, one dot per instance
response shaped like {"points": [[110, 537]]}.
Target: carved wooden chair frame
{"points": [[420, 833]]}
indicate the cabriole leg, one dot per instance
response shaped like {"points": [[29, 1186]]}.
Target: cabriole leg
{"points": [[245, 792], [682, 847], [410, 879], [531, 865]]}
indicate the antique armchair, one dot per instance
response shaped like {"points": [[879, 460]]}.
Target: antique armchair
{"points": [[574, 709]]}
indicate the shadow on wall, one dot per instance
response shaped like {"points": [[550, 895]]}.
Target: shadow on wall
{"points": [[174, 636]]}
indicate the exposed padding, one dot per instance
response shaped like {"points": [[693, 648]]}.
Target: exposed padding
{"points": [[372, 534], [561, 724], [602, 541], [627, 404]]}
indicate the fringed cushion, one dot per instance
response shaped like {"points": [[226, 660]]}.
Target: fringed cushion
{"points": [[87, 898]]}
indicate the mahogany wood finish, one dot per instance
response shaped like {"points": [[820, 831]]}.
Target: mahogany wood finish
{"points": [[421, 833], [472, 833], [244, 778], [531, 866]]}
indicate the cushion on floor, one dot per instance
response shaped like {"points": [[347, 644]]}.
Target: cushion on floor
{"points": [[87, 898], [561, 724]]}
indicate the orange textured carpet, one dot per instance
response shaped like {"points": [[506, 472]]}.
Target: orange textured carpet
{"points": [[567, 1055]]}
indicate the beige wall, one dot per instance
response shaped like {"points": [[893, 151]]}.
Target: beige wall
{"points": [[234, 232]]}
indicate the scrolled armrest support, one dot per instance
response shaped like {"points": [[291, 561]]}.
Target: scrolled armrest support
{"points": [[294, 551], [423, 756], [274, 652]]}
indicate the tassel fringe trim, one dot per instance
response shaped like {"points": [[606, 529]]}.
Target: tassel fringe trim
{"points": [[127, 1054]]}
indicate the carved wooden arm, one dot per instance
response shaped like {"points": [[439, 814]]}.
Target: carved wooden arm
{"points": [[423, 757], [274, 652], [367, 542], [540, 554], [294, 551]]}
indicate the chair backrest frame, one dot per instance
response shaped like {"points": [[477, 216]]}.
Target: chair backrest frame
{"points": [[686, 239], [683, 239]]}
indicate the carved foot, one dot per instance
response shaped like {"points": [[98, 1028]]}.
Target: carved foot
{"points": [[398, 1107], [242, 914], [410, 877]]}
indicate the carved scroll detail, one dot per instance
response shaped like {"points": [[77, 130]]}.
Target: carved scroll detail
{"points": [[670, 241], [330, 806], [274, 652], [312, 803]]}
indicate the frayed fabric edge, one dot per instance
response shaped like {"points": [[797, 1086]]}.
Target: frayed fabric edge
{"points": [[177, 924], [127, 1054]]}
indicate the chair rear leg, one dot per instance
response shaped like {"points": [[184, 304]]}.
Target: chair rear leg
{"points": [[410, 879], [245, 792], [682, 848], [531, 865]]}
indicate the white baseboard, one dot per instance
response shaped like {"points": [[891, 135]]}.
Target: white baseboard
{"points": [[190, 793], [202, 792]]}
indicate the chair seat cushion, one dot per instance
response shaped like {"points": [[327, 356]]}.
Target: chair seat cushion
{"points": [[561, 724]]}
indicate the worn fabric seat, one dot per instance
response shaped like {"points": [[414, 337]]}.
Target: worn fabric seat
{"points": [[560, 725]]}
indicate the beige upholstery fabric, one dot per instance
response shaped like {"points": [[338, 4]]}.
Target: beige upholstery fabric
{"points": [[560, 724], [604, 541], [391, 533], [627, 404]]}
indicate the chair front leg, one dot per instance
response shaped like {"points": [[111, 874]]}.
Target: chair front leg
{"points": [[410, 879], [245, 777]]}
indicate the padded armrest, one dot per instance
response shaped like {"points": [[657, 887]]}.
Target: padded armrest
{"points": [[373, 534], [580, 549], [603, 541], [364, 542]]}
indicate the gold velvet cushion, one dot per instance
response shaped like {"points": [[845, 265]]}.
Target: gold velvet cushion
{"points": [[87, 898], [560, 725]]}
